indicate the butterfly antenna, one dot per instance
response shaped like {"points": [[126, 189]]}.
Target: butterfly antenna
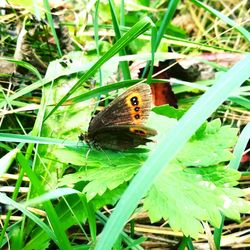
{"points": [[106, 156], [87, 155]]}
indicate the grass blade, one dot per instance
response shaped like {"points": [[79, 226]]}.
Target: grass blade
{"points": [[122, 52], [240, 147], [52, 26]]}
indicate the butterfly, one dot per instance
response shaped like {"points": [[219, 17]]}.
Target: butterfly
{"points": [[120, 125]]}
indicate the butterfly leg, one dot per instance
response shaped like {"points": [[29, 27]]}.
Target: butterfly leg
{"points": [[87, 154]]}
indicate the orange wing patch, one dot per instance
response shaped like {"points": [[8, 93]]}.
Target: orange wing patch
{"points": [[134, 102], [138, 131]]}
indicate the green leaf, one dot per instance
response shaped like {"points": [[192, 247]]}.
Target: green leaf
{"points": [[219, 175], [209, 146], [169, 111], [182, 195], [185, 197], [110, 197], [101, 179], [84, 156]]}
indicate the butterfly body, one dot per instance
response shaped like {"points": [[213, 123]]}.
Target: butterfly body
{"points": [[120, 125]]}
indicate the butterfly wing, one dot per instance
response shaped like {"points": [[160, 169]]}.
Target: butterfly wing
{"points": [[121, 137], [130, 108]]}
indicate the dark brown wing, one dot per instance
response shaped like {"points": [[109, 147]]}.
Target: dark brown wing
{"points": [[130, 108], [121, 137]]}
